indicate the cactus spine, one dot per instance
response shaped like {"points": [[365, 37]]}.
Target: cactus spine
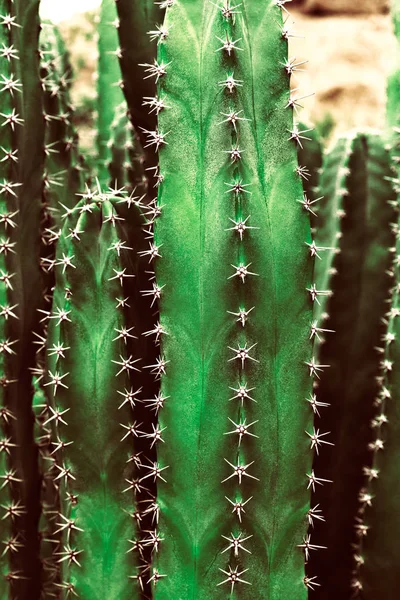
{"points": [[233, 469]]}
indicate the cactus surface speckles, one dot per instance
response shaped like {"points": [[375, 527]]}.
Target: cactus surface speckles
{"points": [[90, 367], [233, 497]]}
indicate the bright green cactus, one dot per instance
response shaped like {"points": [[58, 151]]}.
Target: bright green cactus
{"points": [[232, 246], [174, 421], [354, 239]]}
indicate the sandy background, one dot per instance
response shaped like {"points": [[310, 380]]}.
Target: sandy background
{"points": [[349, 44]]}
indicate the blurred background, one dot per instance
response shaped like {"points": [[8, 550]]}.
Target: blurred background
{"points": [[349, 45]]}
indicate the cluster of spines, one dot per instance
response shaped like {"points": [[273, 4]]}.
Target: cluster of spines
{"points": [[12, 509]]}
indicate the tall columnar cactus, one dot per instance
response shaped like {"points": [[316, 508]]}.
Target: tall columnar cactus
{"points": [[109, 83], [91, 379], [356, 220], [234, 262], [21, 167]]}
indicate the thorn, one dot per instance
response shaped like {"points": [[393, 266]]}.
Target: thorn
{"points": [[233, 577]]}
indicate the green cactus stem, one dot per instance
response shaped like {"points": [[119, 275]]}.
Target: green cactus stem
{"points": [[356, 220], [232, 254], [138, 55], [91, 376], [63, 176], [109, 83], [310, 156]]}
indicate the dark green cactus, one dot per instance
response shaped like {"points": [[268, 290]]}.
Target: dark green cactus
{"points": [[358, 205], [126, 166], [138, 55], [235, 464], [378, 520], [21, 142], [63, 176]]}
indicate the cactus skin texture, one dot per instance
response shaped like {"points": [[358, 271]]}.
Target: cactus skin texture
{"points": [[94, 430], [210, 547], [21, 167], [359, 204]]}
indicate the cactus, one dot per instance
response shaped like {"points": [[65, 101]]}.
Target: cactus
{"points": [[138, 53], [109, 83], [232, 490], [310, 155], [377, 521], [161, 437], [63, 176], [126, 164], [21, 167], [90, 375], [359, 205]]}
